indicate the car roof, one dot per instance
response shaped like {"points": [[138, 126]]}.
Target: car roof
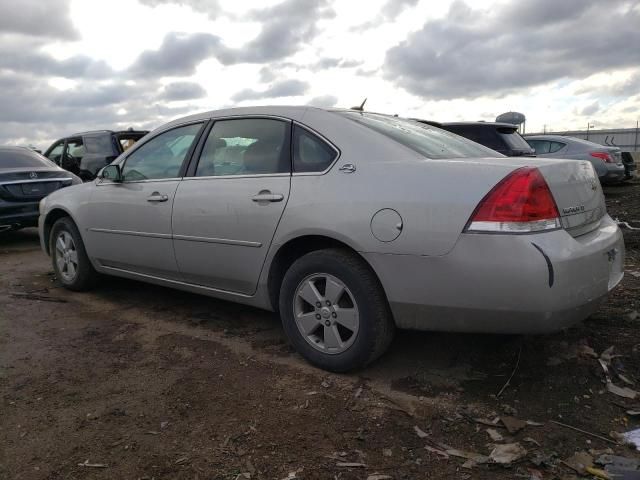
{"points": [[9, 148], [95, 132], [480, 124], [573, 140]]}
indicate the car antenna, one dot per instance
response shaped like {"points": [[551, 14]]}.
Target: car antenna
{"points": [[361, 107]]}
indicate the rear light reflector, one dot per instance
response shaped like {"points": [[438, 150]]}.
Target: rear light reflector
{"points": [[520, 203], [603, 156]]}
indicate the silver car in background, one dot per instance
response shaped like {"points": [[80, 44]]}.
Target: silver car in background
{"points": [[607, 161], [348, 224]]}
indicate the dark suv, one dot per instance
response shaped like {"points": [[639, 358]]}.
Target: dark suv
{"points": [[86, 153], [501, 137]]}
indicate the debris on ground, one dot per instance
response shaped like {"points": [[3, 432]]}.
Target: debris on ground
{"points": [[507, 453], [88, 464], [512, 424], [421, 433], [579, 462], [585, 432], [632, 438], [351, 465], [494, 435]]}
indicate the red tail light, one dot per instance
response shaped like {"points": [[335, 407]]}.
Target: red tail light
{"points": [[521, 202], [602, 156]]}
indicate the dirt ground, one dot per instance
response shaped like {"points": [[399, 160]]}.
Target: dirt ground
{"points": [[143, 382]]}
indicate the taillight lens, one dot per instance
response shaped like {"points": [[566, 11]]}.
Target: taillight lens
{"points": [[521, 202], [606, 157]]}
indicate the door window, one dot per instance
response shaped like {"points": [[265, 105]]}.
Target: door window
{"points": [[250, 146], [556, 147], [55, 154], [310, 153], [162, 156], [540, 146]]}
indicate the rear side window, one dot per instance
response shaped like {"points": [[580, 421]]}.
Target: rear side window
{"points": [[540, 146], [429, 141], [247, 146], [22, 158], [556, 147], [310, 153]]}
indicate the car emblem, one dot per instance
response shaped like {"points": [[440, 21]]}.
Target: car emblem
{"points": [[594, 185], [33, 175]]}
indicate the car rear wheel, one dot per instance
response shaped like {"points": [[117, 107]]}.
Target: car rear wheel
{"points": [[334, 310], [69, 257]]}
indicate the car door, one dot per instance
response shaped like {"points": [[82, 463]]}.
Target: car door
{"points": [[130, 221], [226, 213]]}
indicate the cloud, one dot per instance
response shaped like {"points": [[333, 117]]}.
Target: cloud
{"points": [[286, 27], [330, 62], [471, 53], [284, 88], [35, 112], [324, 101], [210, 7], [178, 55], [37, 18], [590, 109], [20, 55], [625, 88], [183, 91], [393, 8], [388, 13]]}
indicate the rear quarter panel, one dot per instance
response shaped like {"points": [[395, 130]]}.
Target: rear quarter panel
{"points": [[435, 198]]}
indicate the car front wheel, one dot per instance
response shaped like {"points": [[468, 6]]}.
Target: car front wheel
{"points": [[69, 257], [334, 310]]}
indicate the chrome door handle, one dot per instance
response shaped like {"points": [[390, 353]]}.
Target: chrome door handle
{"points": [[267, 196], [156, 197]]}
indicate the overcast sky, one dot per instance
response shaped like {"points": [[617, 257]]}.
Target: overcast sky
{"points": [[70, 65]]}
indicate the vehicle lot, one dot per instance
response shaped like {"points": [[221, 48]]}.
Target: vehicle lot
{"points": [[155, 383]]}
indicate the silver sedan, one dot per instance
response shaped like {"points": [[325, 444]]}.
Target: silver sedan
{"points": [[348, 224]]}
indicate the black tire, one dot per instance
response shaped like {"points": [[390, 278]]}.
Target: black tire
{"points": [[376, 326], [85, 276]]}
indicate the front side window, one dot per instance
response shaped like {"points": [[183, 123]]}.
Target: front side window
{"points": [[55, 155], [310, 153], [162, 156], [427, 140], [251, 146]]}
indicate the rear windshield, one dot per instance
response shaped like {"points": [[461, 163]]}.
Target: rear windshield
{"points": [[425, 139], [513, 139], [20, 158]]}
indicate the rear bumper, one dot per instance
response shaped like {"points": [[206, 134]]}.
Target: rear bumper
{"points": [[614, 173], [504, 283], [19, 214]]}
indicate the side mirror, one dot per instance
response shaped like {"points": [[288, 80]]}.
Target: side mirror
{"points": [[112, 173]]}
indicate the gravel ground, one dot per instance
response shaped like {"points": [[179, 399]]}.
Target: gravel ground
{"points": [[139, 381]]}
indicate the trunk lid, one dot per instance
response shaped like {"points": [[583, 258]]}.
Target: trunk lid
{"points": [[577, 192], [20, 185]]}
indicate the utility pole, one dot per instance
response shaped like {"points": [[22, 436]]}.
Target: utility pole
{"points": [[589, 126]]}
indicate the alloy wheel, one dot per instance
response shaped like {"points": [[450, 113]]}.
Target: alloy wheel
{"points": [[326, 313], [66, 256]]}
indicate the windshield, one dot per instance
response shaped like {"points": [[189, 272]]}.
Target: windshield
{"points": [[425, 139], [22, 158]]}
